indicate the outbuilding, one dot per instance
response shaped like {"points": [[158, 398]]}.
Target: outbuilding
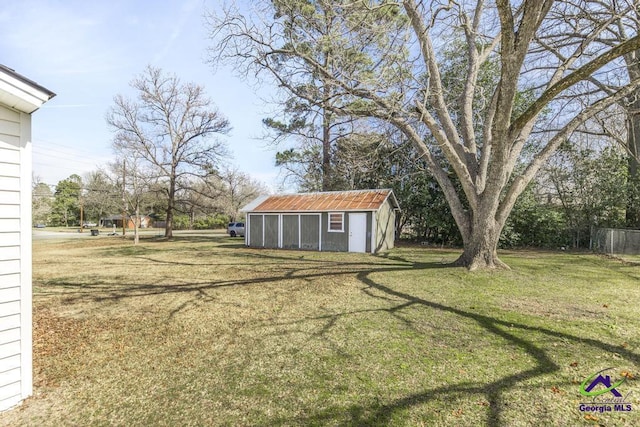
{"points": [[19, 97], [342, 221]]}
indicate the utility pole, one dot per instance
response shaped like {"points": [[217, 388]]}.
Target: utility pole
{"points": [[124, 197], [81, 214]]}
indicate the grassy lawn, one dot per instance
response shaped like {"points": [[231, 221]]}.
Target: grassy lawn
{"points": [[202, 331]]}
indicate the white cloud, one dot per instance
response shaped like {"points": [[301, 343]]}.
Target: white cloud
{"points": [[188, 8]]}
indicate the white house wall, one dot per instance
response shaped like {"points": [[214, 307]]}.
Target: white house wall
{"points": [[15, 258]]}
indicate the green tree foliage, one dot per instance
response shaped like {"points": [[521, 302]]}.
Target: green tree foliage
{"points": [[591, 187], [66, 204], [302, 166], [317, 28], [101, 196], [387, 66], [535, 222]]}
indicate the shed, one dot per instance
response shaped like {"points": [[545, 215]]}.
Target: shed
{"points": [[342, 221], [19, 97]]}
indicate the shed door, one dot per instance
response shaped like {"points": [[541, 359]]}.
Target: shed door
{"points": [[290, 231], [271, 231], [255, 231], [357, 232], [310, 232]]}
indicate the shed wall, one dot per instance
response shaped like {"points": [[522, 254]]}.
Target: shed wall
{"points": [[271, 231], [254, 237], [334, 240], [310, 232], [307, 231], [290, 231], [370, 216], [385, 227]]}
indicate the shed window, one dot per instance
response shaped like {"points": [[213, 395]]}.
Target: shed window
{"points": [[336, 222]]}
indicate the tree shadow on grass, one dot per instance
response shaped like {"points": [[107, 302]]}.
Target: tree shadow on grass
{"points": [[493, 391], [362, 269]]}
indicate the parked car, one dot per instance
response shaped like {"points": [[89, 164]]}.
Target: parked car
{"points": [[40, 226], [89, 225], [235, 229]]}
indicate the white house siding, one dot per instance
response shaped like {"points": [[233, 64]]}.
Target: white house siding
{"points": [[15, 258]]}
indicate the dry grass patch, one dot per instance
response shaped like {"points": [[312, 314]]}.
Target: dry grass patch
{"points": [[201, 331]]}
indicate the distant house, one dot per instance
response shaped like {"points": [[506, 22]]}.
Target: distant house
{"points": [[344, 221], [146, 221], [19, 97]]}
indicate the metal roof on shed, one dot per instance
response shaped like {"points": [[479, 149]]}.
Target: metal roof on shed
{"points": [[359, 200]]}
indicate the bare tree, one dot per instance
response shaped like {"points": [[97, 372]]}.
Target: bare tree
{"points": [[135, 179], [398, 80], [195, 200], [172, 127], [224, 192], [623, 22], [41, 200], [101, 196], [236, 189]]}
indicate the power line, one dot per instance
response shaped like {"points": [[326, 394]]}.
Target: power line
{"points": [[70, 158], [58, 144], [48, 151]]}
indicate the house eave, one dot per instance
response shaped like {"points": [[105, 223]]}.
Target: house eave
{"points": [[20, 93]]}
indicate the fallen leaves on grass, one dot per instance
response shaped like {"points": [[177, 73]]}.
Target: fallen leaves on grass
{"points": [[51, 337], [628, 375], [182, 335], [458, 412]]}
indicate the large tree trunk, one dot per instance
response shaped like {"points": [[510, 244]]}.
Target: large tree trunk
{"points": [[168, 230], [136, 226], [633, 145], [481, 245], [480, 251], [632, 106], [326, 153]]}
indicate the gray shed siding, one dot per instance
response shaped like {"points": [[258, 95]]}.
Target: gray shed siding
{"points": [[310, 232], [292, 221], [271, 231], [290, 232], [299, 231], [334, 240], [255, 230], [339, 241]]}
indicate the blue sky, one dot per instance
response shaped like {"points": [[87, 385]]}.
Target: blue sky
{"points": [[88, 51]]}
